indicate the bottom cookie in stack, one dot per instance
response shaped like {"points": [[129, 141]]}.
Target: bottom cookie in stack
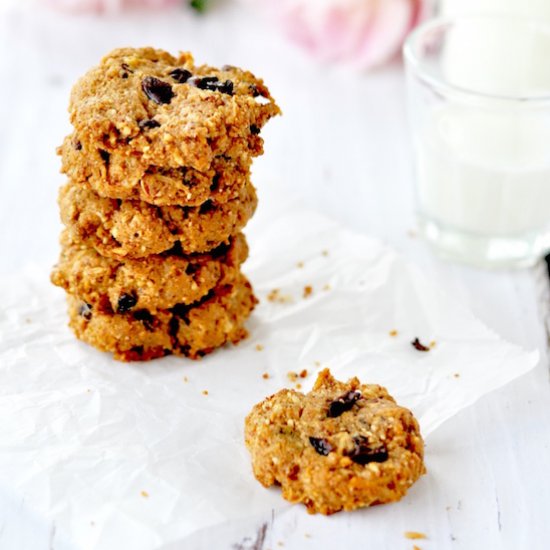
{"points": [[191, 330]]}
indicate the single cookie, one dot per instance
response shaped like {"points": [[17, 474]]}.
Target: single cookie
{"points": [[135, 229], [339, 447], [118, 176], [169, 112], [191, 330], [156, 282]]}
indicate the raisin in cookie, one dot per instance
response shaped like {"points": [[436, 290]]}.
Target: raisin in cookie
{"points": [[167, 111], [340, 447], [156, 282], [135, 229], [191, 330], [119, 176]]}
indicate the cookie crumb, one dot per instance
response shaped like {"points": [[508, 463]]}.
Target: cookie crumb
{"points": [[276, 296], [456, 375], [307, 535], [292, 376], [308, 291], [259, 347], [327, 287], [324, 252], [92, 523], [317, 363], [412, 233], [432, 344], [205, 392], [298, 386], [28, 320], [393, 333], [303, 373], [300, 265], [415, 535], [145, 494], [185, 379], [265, 375], [416, 547], [419, 346]]}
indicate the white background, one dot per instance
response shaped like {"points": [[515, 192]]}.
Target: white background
{"points": [[342, 146]]}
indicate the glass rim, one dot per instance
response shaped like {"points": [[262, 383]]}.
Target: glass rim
{"points": [[440, 84]]}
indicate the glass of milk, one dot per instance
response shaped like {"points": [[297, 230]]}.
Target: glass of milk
{"points": [[479, 106]]}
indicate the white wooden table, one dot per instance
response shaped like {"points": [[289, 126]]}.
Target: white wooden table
{"points": [[342, 145]]}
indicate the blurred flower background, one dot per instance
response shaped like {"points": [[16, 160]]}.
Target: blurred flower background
{"points": [[363, 33]]}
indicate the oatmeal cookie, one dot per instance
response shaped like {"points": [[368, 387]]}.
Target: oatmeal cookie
{"points": [[340, 447], [157, 282], [135, 229], [191, 330], [118, 176], [169, 112]]}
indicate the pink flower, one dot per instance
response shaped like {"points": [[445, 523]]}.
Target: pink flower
{"points": [[365, 33], [110, 6]]}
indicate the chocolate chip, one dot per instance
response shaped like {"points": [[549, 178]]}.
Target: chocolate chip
{"points": [[363, 453], [322, 446], [214, 186], [148, 123], [173, 327], [254, 130], [181, 76], [191, 269], [419, 346], [126, 67], [212, 83], [181, 311], [124, 75], [157, 90], [126, 302], [146, 318], [206, 207], [85, 310], [105, 155], [77, 145], [343, 403]]}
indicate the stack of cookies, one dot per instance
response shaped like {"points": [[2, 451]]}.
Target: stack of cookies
{"points": [[158, 193]]}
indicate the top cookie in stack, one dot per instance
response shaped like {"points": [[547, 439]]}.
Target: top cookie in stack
{"points": [[159, 187], [157, 128]]}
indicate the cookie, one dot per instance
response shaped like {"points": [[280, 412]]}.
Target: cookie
{"points": [[340, 447], [156, 282], [135, 229], [119, 176], [189, 330], [168, 112]]}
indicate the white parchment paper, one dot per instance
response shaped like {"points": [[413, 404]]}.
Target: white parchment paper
{"points": [[136, 456]]}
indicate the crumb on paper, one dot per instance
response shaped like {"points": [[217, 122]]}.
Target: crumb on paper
{"points": [[412, 233], [28, 320], [205, 392], [415, 535], [317, 363], [416, 547], [88, 390], [292, 376], [300, 265], [276, 297], [303, 373], [432, 344], [456, 375], [393, 333], [185, 379], [308, 291], [417, 344], [307, 535], [144, 494], [92, 523], [326, 287], [265, 376], [324, 252], [298, 386], [259, 347], [280, 543]]}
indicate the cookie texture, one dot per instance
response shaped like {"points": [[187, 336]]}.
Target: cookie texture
{"points": [[191, 330], [119, 176], [340, 447], [136, 229], [167, 111], [158, 282]]}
